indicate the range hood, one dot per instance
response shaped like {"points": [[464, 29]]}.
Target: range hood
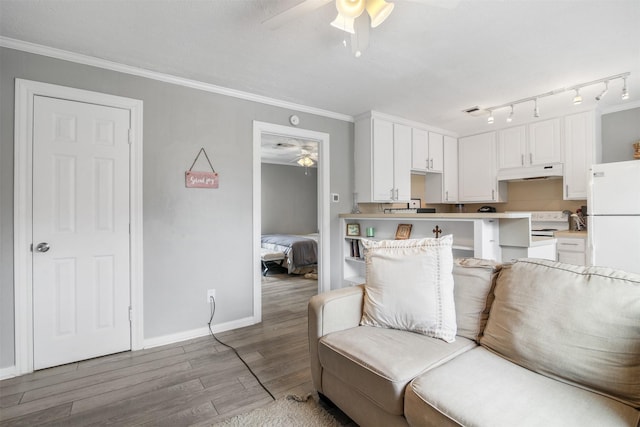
{"points": [[531, 173]]}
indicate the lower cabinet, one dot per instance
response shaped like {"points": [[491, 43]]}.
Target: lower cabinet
{"points": [[572, 250]]}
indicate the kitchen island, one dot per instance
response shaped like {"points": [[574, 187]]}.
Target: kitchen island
{"points": [[497, 236]]}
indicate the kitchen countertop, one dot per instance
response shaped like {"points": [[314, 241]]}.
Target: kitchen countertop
{"points": [[571, 234], [467, 216]]}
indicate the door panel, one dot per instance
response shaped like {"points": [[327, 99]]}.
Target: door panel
{"points": [[81, 286]]}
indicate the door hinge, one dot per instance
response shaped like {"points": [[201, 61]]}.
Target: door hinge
{"points": [[130, 136], [130, 314]]}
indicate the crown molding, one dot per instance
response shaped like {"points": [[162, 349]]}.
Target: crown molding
{"points": [[167, 78]]}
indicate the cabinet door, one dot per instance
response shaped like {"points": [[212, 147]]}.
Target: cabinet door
{"points": [[579, 145], [382, 171], [545, 145], [512, 147], [450, 178], [477, 168], [419, 150], [402, 162], [436, 153]]}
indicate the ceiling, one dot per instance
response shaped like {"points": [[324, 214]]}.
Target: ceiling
{"points": [[424, 63], [286, 150]]}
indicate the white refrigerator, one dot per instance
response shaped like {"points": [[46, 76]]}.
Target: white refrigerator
{"points": [[614, 215]]}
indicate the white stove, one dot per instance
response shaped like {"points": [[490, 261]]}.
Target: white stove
{"points": [[545, 223]]}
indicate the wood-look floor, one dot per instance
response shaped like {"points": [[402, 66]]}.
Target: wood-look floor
{"points": [[196, 382]]}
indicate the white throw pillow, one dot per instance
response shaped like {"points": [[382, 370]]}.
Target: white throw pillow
{"points": [[409, 286]]}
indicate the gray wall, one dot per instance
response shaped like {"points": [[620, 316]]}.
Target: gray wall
{"points": [[289, 199], [619, 131], [194, 239]]}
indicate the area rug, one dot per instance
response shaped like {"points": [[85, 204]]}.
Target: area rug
{"points": [[291, 411]]}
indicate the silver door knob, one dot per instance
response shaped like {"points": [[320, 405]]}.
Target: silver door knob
{"points": [[43, 247]]}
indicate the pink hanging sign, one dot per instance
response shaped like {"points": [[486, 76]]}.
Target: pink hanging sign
{"points": [[194, 179]]}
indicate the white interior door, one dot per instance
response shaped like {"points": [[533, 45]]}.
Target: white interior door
{"points": [[81, 273]]}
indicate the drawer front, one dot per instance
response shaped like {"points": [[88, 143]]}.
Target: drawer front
{"points": [[576, 258], [573, 245]]}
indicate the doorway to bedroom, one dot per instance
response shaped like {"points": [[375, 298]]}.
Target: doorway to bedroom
{"points": [[291, 205]]}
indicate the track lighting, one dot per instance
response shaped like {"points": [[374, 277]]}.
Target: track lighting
{"points": [[604, 91], [577, 100], [625, 91]]}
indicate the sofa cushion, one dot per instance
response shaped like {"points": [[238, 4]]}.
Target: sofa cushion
{"points": [[380, 362], [481, 388], [577, 324], [409, 286], [474, 280]]}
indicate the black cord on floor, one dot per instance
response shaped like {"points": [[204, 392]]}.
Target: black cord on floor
{"points": [[213, 311]]}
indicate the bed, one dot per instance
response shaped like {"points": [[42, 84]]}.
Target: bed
{"points": [[300, 251]]}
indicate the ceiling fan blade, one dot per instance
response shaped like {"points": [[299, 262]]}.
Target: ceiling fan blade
{"points": [[293, 13]]}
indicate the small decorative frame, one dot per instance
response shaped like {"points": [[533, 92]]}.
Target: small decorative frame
{"points": [[403, 232], [193, 179], [353, 229]]}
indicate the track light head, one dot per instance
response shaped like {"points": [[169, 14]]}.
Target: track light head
{"points": [[510, 117], [490, 118], [625, 91], [577, 100], [604, 91], [536, 111]]}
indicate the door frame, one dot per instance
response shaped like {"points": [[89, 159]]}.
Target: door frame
{"points": [[25, 91], [324, 241]]}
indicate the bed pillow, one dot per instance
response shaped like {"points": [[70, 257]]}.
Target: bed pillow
{"points": [[409, 286]]}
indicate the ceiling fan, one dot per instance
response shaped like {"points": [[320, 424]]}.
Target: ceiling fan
{"points": [[351, 16]]}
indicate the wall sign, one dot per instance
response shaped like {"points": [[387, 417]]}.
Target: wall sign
{"points": [[195, 179]]}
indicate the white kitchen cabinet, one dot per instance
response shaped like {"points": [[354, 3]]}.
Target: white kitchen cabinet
{"points": [[478, 180], [443, 187], [581, 146], [534, 144], [383, 160], [426, 151], [572, 250], [545, 143]]}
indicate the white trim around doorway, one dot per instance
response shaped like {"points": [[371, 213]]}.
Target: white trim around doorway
{"points": [[324, 263], [25, 91]]}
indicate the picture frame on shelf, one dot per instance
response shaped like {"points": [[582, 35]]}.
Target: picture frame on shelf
{"points": [[403, 232], [353, 230]]}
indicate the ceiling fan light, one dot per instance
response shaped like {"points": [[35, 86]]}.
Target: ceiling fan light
{"points": [[344, 24], [378, 10], [305, 161], [350, 8]]}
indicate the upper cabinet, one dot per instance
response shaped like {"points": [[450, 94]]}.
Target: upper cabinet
{"points": [[426, 151], [478, 181], [383, 160], [581, 151], [443, 187], [530, 145]]}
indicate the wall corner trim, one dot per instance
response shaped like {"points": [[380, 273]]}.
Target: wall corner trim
{"points": [[167, 78]]}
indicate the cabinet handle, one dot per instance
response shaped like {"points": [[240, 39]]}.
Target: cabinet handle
{"points": [[569, 244], [530, 158], [446, 195], [392, 194], [431, 163], [493, 195], [427, 162], [566, 190], [397, 194], [522, 159]]}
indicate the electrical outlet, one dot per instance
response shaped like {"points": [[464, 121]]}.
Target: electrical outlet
{"points": [[211, 293]]}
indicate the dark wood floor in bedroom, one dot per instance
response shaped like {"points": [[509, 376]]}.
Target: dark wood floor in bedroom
{"points": [[195, 382]]}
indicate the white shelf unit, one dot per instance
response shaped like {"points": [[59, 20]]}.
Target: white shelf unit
{"points": [[472, 237]]}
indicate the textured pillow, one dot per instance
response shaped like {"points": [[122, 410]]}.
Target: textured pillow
{"points": [[580, 325], [409, 286], [474, 280]]}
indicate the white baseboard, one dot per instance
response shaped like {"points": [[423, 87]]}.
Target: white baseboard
{"points": [[8, 372], [197, 333]]}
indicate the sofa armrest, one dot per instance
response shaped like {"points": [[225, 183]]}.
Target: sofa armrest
{"points": [[332, 311]]}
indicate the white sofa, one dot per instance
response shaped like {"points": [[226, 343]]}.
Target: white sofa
{"points": [[539, 343]]}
